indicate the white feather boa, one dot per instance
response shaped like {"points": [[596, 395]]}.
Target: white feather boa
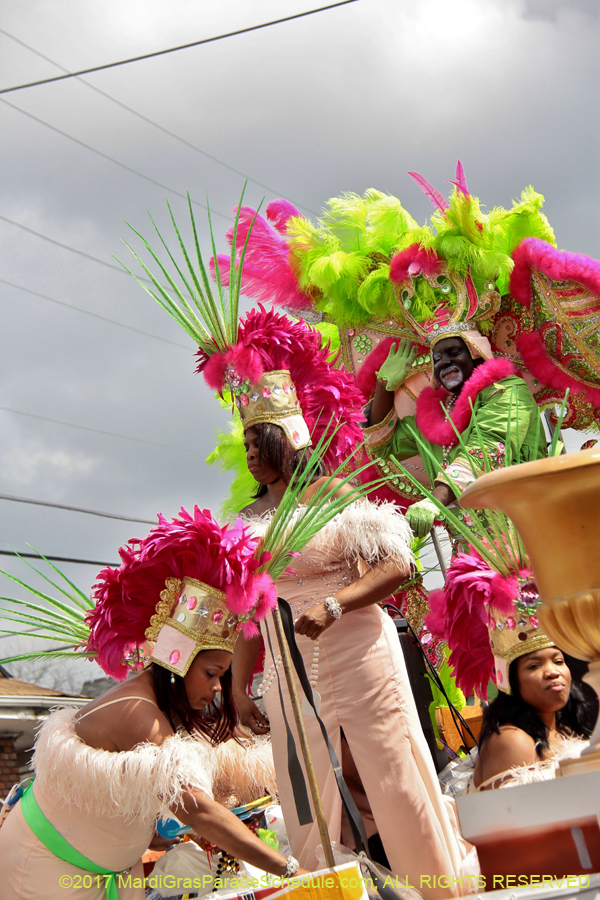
{"points": [[147, 782], [244, 772], [374, 532], [545, 769]]}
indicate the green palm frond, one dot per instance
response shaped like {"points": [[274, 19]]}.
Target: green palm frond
{"points": [[295, 522], [62, 623], [489, 531], [209, 317]]}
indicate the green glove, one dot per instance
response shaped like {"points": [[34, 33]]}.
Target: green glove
{"points": [[397, 366], [421, 516]]}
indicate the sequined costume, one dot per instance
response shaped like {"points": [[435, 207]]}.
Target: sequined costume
{"points": [[359, 672], [497, 394]]}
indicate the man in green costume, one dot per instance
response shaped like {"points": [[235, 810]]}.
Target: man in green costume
{"points": [[480, 395]]}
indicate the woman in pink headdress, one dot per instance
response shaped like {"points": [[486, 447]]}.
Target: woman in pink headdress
{"points": [[148, 749]]}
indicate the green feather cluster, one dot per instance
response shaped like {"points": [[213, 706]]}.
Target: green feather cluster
{"points": [[343, 262]]}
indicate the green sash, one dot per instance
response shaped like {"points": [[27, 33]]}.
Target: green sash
{"points": [[55, 842]]}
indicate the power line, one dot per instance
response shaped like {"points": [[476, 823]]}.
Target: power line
{"points": [[95, 315], [67, 247], [79, 509], [210, 40], [166, 131], [65, 559], [50, 240], [125, 437], [112, 159]]}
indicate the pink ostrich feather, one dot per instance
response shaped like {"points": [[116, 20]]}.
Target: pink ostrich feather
{"points": [[461, 182], [431, 420], [434, 195], [533, 253], [461, 612], [324, 391], [267, 274], [193, 545], [414, 260], [460, 615], [279, 212]]}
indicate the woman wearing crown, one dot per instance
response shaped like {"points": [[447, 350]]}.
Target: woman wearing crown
{"points": [[148, 749], [350, 647], [488, 614]]}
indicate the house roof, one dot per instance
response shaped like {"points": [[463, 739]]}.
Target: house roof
{"points": [[14, 687]]}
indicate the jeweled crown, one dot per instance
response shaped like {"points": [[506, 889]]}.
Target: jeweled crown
{"points": [[272, 399], [190, 616], [518, 633]]}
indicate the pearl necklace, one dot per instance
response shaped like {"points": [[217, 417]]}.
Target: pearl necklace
{"points": [[269, 677], [446, 448]]}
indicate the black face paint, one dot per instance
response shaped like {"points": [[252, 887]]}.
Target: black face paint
{"points": [[452, 363]]}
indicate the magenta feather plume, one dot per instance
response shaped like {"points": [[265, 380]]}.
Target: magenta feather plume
{"points": [[189, 545], [461, 612], [414, 260], [461, 181], [461, 617], [267, 274], [279, 212], [436, 198]]}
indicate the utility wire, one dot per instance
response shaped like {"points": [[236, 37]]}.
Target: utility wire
{"points": [[64, 559], [112, 159], [88, 512], [67, 247], [50, 240], [95, 315], [125, 437], [166, 131], [210, 40]]}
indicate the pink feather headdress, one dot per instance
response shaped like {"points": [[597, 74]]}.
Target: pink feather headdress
{"points": [[488, 620], [272, 343], [191, 582]]}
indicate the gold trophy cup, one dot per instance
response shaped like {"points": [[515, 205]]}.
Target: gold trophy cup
{"points": [[555, 506]]}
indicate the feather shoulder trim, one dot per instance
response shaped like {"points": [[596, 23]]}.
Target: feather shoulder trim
{"points": [[375, 532], [144, 783], [244, 772], [544, 770], [372, 531]]}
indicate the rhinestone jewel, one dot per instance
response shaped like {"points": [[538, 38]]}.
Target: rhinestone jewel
{"points": [[192, 602], [276, 389], [202, 611], [254, 397], [174, 657], [181, 617], [217, 616], [230, 621]]}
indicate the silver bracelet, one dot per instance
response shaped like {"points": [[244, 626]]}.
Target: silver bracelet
{"points": [[333, 607], [292, 867]]}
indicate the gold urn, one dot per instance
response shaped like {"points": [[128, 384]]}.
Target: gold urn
{"points": [[555, 506]]}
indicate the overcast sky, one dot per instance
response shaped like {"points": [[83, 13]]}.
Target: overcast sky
{"points": [[343, 100]]}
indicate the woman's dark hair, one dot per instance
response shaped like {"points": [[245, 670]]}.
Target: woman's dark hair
{"points": [[510, 709], [275, 449], [216, 722]]}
